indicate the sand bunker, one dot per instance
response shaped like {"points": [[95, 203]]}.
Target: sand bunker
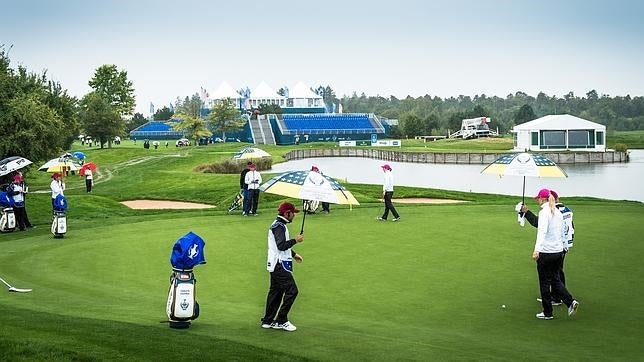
{"points": [[161, 204]]}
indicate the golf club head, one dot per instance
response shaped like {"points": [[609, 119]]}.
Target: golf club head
{"points": [[18, 290]]}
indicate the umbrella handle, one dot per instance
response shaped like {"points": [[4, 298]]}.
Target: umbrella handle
{"points": [[303, 218]]}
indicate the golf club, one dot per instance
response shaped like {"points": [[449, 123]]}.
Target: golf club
{"points": [[16, 290]]}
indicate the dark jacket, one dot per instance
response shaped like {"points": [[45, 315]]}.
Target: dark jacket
{"points": [[242, 177]]}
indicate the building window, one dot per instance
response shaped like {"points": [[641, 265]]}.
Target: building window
{"points": [[553, 139], [535, 138], [599, 138], [581, 139]]}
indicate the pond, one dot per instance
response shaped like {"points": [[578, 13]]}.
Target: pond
{"points": [[616, 181]]}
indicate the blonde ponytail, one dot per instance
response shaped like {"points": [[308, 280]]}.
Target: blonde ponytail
{"points": [[551, 203]]}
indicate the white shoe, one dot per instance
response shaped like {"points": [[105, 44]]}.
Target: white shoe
{"points": [[287, 326], [573, 308], [543, 316], [267, 326]]}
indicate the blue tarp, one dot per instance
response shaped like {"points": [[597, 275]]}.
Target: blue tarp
{"points": [[188, 252]]}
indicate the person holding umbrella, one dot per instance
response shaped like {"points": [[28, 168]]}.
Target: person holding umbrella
{"points": [[548, 254], [89, 179], [16, 191], [568, 230], [388, 193], [283, 290]]}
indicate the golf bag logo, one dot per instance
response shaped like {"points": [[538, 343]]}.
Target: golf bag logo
{"points": [[193, 252]]}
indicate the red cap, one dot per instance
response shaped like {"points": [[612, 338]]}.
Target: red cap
{"points": [[56, 174], [315, 168], [17, 178], [554, 194], [386, 166], [286, 206], [252, 166], [543, 194]]}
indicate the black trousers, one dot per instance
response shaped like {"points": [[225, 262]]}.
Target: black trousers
{"points": [[389, 206], [283, 290], [88, 184], [548, 267], [21, 216], [253, 199]]}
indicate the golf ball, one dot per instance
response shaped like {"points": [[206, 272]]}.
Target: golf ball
{"points": [[503, 306]]}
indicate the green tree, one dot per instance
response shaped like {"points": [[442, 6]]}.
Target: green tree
{"points": [[524, 114], [163, 114], [194, 127], [100, 119], [412, 125], [114, 87], [190, 106], [224, 117], [136, 121], [265, 108], [37, 116]]}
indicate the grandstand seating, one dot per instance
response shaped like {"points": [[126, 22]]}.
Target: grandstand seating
{"points": [[320, 123], [156, 130]]}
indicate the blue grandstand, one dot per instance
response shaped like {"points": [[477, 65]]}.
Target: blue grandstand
{"points": [[292, 128], [156, 130]]}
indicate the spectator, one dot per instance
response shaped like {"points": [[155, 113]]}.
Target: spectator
{"points": [[57, 187], [253, 180], [325, 205], [16, 192], [244, 187], [89, 179]]}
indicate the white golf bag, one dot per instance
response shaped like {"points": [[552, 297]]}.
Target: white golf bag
{"points": [[7, 220], [59, 224], [310, 206], [182, 307]]}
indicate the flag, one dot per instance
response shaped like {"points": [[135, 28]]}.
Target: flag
{"points": [[151, 108], [339, 107]]}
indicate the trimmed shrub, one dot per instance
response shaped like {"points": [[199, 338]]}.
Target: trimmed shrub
{"points": [[234, 166], [621, 147]]}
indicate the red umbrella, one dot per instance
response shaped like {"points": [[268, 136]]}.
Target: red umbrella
{"points": [[89, 165]]}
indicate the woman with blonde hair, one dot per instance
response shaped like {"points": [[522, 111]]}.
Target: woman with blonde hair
{"points": [[548, 253]]}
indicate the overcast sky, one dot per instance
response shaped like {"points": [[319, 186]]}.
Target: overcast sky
{"points": [[400, 48]]}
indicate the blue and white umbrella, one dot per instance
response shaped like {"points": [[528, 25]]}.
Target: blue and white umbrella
{"points": [[249, 153], [13, 163]]}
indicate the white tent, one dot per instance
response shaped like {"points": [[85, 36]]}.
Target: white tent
{"points": [[263, 94], [560, 132], [303, 97], [225, 91]]}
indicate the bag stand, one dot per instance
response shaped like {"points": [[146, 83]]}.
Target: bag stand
{"points": [[182, 306]]}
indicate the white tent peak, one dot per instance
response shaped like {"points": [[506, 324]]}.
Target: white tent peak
{"points": [[225, 90], [301, 90], [264, 91]]}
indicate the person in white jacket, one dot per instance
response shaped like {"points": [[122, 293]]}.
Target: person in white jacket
{"points": [[253, 180], [548, 253], [388, 193], [57, 187], [283, 290]]}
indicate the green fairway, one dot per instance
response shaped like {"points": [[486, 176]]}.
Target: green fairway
{"points": [[429, 287]]}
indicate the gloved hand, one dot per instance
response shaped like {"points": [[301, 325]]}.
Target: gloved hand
{"points": [[520, 215]]}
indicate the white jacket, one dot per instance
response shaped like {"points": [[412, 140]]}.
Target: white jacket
{"points": [[253, 179]]}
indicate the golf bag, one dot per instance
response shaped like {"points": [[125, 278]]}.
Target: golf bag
{"points": [[310, 206], [182, 306], [238, 201], [7, 218], [59, 223]]}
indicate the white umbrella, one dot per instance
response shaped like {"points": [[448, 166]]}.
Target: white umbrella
{"points": [[14, 163], [250, 153]]}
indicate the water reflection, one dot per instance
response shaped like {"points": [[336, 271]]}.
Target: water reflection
{"points": [[617, 181]]}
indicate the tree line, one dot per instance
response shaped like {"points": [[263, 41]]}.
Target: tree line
{"points": [[429, 115]]}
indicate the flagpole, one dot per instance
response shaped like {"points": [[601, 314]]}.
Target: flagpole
{"points": [[523, 194]]}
